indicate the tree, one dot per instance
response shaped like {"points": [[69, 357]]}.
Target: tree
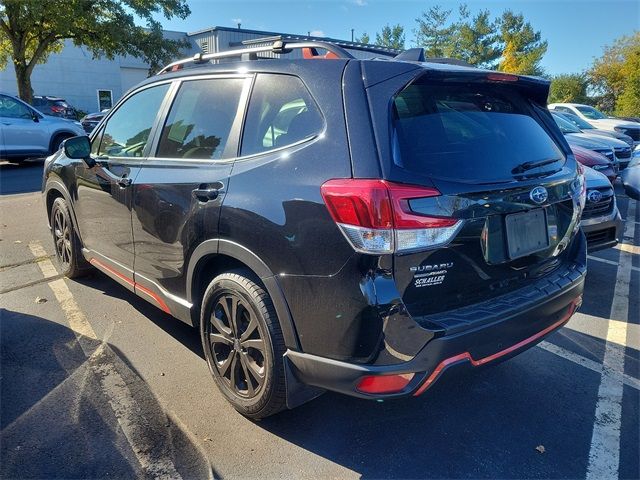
{"points": [[570, 87], [523, 46], [364, 38], [435, 33], [30, 30], [391, 37], [473, 39], [477, 41], [615, 76]]}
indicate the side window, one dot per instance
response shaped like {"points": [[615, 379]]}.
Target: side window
{"points": [[200, 119], [127, 131], [281, 112], [10, 108], [95, 143]]}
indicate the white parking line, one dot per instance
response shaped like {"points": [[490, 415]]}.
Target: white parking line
{"points": [[114, 387], [609, 262], [586, 362], [604, 454]]}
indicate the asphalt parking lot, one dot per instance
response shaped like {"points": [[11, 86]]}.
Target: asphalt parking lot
{"points": [[97, 383]]}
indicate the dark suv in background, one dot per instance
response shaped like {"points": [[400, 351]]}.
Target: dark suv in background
{"points": [[54, 106], [334, 223]]}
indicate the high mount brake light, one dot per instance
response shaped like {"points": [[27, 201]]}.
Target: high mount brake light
{"points": [[375, 216], [502, 77]]}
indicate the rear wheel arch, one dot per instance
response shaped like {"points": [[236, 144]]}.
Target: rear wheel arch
{"points": [[213, 257]]}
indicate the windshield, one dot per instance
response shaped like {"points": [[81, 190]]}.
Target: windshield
{"points": [[590, 112], [470, 133], [577, 121], [565, 125]]}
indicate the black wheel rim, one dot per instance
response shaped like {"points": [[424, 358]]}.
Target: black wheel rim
{"points": [[62, 237], [236, 345]]}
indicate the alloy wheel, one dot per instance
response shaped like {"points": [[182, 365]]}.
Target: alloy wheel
{"points": [[236, 345], [62, 236]]}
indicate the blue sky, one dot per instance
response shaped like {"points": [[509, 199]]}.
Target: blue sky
{"points": [[576, 30]]}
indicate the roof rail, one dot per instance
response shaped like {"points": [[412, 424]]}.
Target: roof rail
{"points": [[365, 47], [278, 47]]}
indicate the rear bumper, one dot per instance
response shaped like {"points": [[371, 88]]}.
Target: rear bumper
{"points": [[490, 342]]}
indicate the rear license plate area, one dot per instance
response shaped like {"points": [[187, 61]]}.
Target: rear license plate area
{"points": [[527, 233]]}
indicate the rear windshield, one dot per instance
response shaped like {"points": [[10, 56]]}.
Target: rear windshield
{"points": [[474, 133]]}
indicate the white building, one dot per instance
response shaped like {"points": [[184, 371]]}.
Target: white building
{"points": [[92, 84]]}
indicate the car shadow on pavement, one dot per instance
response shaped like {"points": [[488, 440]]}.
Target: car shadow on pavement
{"points": [[185, 334], [58, 418], [482, 423], [21, 178]]}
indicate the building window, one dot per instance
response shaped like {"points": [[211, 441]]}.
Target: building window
{"points": [[105, 99], [204, 46]]}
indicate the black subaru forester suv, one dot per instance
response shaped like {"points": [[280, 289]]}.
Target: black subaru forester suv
{"points": [[330, 223]]}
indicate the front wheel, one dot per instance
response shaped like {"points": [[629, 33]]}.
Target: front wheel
{"points": [[243, 344], [66, 241]]}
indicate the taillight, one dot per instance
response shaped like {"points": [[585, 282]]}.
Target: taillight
{"points": [[376, 218], [57, 108]]}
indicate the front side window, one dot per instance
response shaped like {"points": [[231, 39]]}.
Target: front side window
{"points": [[127, 131], [10, 108], [281, 112], [200, 119]]}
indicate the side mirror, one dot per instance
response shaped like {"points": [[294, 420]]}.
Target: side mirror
{"points": [[79, 148], [35, 117]]}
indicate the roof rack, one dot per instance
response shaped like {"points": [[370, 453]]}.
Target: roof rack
{"points": [[364, 47], [279, 47]]}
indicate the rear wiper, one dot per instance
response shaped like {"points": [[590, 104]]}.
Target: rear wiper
{"points": [[523, 167]]}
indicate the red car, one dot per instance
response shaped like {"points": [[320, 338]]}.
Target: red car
{"points": [[595, 160]]}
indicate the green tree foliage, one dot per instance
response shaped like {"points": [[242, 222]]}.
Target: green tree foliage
{"points": [[30, 30], [507, 42], [615, 76], [523, 46], [364, 38], [477, 40], [391, 37], [570, 87], [435, 32]]}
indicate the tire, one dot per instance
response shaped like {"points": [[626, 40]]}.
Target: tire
{"points": [[56, 143], [66, 242], [249, 372]]}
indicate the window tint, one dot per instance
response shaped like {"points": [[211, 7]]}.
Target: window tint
{"points": [[127, 131], [281, 112], [471, 133], [200, 119], [11, 108]]}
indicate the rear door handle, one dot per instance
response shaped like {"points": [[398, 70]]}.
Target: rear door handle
{"points": [[208, 192]]}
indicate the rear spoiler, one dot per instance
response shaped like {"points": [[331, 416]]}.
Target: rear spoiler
{"points": [[535, 88]]}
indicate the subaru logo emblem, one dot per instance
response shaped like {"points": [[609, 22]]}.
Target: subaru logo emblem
{"points": [[539, 195], [594, 196]]}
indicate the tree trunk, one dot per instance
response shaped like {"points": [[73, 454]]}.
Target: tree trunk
{"points": [[23, 78]]}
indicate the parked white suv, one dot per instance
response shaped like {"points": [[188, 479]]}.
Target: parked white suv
{"points": [[599, 120], [25, 132]]}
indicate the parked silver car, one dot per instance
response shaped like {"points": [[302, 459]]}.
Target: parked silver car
{"points": [[601, 144], [586, 127], [601, 221], [599, 119], [25, 132]]}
